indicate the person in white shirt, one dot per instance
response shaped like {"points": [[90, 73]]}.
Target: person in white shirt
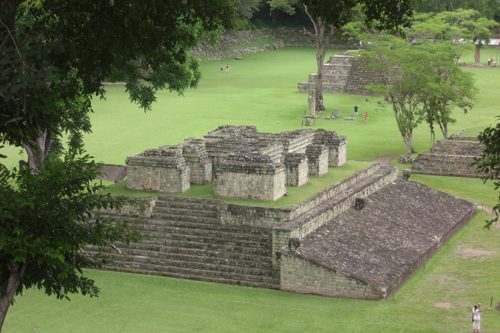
{"points": [[476, 318]]}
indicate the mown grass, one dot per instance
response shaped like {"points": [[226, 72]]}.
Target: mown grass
{"points": [[260, 90]]}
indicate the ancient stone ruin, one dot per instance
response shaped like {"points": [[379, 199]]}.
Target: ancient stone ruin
{"points": [[241, 162], [347, 74], [361, 237], [450, 157]]}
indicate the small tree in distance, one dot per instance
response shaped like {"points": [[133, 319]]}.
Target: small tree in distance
{"points": [[424, 83]]}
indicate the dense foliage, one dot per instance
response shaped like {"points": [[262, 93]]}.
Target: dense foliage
{"points": [[54, 56], [489, 163]]}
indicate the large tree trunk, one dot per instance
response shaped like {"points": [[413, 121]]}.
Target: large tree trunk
{"points": [[319, 81], [322, 38], [8, 289], [38, 149], [477, 54]]}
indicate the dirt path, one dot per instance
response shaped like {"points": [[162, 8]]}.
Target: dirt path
{"points": [[385, 160]]}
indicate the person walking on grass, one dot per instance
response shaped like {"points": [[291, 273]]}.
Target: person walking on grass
{"points": [[476, 318]]}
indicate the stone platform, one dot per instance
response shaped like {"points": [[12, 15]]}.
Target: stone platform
{"points": [[323, 245], [349, 74], [450, 157]]}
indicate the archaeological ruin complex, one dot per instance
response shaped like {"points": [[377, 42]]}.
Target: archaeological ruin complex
{"points": [[361, 237], [241, 162]]}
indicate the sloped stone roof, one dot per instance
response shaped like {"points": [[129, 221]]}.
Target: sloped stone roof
{"points": [[400, 226]]}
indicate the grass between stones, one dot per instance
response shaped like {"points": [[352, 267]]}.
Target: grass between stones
{"points": [[261, 91]]}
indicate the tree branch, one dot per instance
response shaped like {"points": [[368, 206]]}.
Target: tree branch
{"points": [[310, 18], [15, 45]]}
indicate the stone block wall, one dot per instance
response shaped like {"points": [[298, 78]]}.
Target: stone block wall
{"points": [[297, 169], [317, 157], [250, 176], [337, 146], [162, 170], [303, 276], [196, 156]]}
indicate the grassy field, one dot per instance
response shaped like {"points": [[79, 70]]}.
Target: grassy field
{"points": [[261, 91]]}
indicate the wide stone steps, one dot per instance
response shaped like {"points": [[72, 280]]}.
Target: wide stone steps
{"points": [[220, 233], [273, 285], [183, 237], [248, 272], [210, 227], [184, 211], [245, 255], [214, 258], [243, 276], [185, 218], [221, 247]]}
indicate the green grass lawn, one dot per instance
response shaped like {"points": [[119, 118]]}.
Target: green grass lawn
{"points": [[261, 90]]}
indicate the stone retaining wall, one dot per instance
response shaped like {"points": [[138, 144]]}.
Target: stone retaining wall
{"points": [[322, 281], [159, 170]]}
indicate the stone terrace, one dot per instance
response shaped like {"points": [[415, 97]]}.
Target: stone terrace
{"points": [[321, 245], [450, 157], [368, 253]]}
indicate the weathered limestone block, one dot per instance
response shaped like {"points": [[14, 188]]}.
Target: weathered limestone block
{"points": [[250, 176], [317, 156], [163, 170], [296, 141], [196, 156], [337, 146], [297, 169]]}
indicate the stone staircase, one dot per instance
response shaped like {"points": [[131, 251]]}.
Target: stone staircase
{"points": [[450, 158], [184, 238]]}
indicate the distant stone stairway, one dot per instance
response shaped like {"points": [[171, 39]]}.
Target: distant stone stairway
{"points": [[450, 158], [185, 239]]}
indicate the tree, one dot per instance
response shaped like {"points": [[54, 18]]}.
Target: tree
{"points": [[424, 83], [488, 8], [46, 223], [448, 87], [54, 56], [458, 26], [328, 16], [489, 163]]}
